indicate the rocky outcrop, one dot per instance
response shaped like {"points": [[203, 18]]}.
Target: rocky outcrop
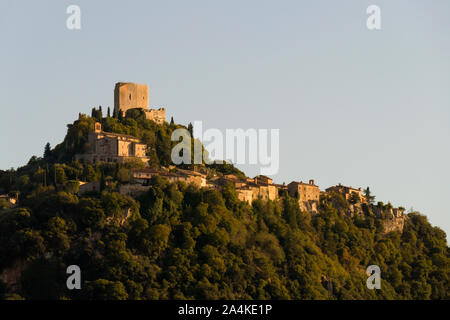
{"points": [[393, 218]]}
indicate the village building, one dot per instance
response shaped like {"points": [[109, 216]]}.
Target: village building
{"points": [[348, 192], [245, 194], [250, 189], [112, 147], [304, 191], [262, 180], [143, 176], [308, 194]]}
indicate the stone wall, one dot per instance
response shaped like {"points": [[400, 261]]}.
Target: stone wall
{"points": [[157, 115]]}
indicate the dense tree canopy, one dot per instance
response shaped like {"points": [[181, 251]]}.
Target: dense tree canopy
{"points": [[182, 242]]}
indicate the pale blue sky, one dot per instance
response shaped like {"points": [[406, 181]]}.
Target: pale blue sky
{"points": [[360, 107]]}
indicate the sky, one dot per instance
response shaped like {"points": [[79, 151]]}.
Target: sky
{"points": [[354, 106]]}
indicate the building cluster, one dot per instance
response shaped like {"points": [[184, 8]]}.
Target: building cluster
{"points": [[112, 147], [143, 176], [247, 189]]}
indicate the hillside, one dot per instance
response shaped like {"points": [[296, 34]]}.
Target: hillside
{"points": [[180, 241]]}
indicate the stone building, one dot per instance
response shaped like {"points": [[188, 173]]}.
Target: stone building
{"points": [[113, 147], [304, 191], [348, 192], [245, 194], [129, 95], [262, 180], [157, 115], [143, 176], [308, 194], [248, 189], [264, 192]]}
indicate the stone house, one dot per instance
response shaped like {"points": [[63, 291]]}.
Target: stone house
{"points": [[308, 195], [143, 176], [348, 192], [113, 147], [304, 191]]}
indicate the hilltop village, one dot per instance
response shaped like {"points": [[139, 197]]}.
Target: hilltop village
{"points": [[113, 147], [122, 148], [110, 199]]}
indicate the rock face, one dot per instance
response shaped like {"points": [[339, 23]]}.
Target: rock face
{"points": [[309, 206], [393, 218], [395, 224]]}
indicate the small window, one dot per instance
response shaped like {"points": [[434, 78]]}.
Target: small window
{"points": [[130, 96]]}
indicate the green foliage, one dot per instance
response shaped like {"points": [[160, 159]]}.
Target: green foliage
{"points": [[176, 241], [102, 289]]}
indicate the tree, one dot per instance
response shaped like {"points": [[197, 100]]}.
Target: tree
{"points": [[123, 175], [109, 112], [47, 151], [171, 121], [99, 115], [368, 195], [102, 289]]}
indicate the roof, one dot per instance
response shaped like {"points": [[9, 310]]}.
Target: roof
{"points": [[178, 172], [190, 172], [342, 187], [262, 176], [118, 135], [303, 183]]}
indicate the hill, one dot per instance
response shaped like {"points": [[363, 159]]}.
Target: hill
{"points": [[179, 241]]}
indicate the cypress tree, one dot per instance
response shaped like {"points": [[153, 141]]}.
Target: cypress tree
{"points": [[47, 151]]}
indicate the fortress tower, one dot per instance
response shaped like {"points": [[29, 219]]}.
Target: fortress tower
{"points": [[128, 95]]}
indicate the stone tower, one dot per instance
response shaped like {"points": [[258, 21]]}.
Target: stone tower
{"points": [[129, 95]]}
